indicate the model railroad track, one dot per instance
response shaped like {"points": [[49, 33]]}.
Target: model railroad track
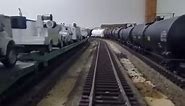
{"points": [[177, 79], [105, 84]]}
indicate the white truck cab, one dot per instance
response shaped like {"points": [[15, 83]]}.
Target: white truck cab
{"points": [[84, 33], [66, 34], [76, 32], [8, 54], [41, 34]]}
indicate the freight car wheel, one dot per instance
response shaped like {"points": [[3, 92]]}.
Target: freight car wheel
{"points": [[11, 56]]}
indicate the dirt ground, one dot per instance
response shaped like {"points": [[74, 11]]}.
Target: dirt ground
{"points": [[64, 92], [148, 90]]}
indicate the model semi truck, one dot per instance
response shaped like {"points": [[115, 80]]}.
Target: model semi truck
{"points": [[29, 35], [8, 54], [41, 34]]}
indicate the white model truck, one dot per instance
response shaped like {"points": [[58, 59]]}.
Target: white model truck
{"points": [[66, 34], [76, 32], [40, 35], [70, 33], [8, 54], [84, 33]]}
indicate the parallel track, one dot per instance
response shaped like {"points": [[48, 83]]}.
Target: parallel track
{"points": [[105, 84], [178, 80]]}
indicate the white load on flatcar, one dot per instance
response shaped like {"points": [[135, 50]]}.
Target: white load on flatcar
{"points": [[65, 34], [98, 33], [76, 32], [41, 34], [84, 33]]}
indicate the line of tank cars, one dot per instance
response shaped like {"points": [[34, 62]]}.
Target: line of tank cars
{"points": [[164, 39], [19, 34]]}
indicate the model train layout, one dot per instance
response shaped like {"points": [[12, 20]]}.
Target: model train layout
{"points": [[31, 49]]}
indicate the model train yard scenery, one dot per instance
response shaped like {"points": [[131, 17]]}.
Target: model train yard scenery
{"points": [[113, 65], [160, 41]]}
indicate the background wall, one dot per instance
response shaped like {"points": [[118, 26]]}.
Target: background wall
{"points": [[171, 6], [87, 13]]}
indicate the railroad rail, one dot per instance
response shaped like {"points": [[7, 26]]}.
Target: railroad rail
{"points": [[105, 84], [176, 79]]}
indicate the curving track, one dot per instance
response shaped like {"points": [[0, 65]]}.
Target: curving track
{"points": [[105, 84]]}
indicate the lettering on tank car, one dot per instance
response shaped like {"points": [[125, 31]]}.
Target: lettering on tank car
{"points": [[163, 36]]}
